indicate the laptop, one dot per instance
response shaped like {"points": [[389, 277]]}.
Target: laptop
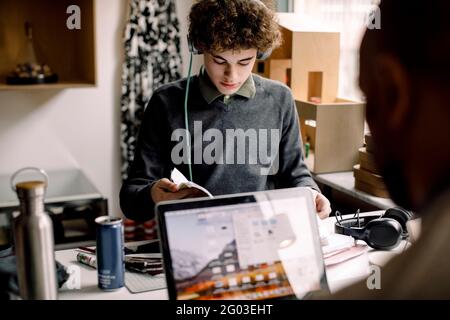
{"points": [[248, 246]]}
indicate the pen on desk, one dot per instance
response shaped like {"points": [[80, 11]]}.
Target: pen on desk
{"points": [[87, 259]]}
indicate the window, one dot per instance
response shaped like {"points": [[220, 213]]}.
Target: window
{"points": [[285, 5]]}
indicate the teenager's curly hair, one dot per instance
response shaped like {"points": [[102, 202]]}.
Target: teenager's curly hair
{"points": [[220, 25]]}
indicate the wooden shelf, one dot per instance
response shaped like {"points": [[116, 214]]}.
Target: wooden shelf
{"points": [[69, 53], [58, 85]]}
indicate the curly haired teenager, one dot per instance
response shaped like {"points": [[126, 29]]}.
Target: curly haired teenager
{"points": [[243, 129]]}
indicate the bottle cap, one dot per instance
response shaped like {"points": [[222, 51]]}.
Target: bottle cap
{"points": [[31, 188]]}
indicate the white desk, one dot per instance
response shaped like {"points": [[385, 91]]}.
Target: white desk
{"points": [[338, 276], [345, 182], [88, 284]]}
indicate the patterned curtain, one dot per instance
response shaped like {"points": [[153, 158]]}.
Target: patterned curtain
{"points": [[152, 58]]}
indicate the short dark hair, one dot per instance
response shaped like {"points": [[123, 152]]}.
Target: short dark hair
{"points": [[220, 25]]}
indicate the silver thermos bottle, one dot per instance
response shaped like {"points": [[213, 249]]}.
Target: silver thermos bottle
{"points": [[34, 242]]}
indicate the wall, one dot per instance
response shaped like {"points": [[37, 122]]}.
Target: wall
{"points": [[56, 129]]}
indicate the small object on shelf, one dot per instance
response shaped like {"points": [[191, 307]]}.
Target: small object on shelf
{"points": [[28, 70], [28, 73], [307, 148]]}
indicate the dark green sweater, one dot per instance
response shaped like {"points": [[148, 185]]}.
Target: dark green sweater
{"points": [[238, 166]]}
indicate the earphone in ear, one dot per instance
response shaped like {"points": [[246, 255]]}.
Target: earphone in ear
{"points": [[191, 46], [382, 233]]}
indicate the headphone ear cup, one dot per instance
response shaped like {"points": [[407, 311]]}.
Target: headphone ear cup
{"points": [[192, 48], [263, 55], [383, 233], [401, 215]]}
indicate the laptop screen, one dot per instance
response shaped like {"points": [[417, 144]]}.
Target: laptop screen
{"points": [[255, 246]]}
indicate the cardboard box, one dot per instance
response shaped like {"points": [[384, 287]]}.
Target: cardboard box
{"points": [[275, 69], [367, 161], [336, 136], [377, 192], [368, 177], [308, 62], [369, 143]]}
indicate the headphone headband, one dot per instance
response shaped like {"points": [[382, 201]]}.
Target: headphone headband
{"points": [[354, 227]]}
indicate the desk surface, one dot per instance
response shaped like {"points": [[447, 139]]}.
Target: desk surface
{"points": [[338, 276], [88, 284], [345, 182]]}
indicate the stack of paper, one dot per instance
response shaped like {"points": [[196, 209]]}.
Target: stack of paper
{"points": [[340, 248]]}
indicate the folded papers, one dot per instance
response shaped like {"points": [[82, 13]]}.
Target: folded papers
{"points": [[345, 254], [338, 248]]}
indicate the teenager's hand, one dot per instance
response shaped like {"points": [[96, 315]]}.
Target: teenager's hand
{"points": [[323, 206], [164, 190]]}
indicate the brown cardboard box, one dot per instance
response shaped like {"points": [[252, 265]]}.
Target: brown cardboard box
{"points": [[368, 177], [367, 161], [369, 143], [308, 62], [337, 136], [275, 69], [377, 192]]}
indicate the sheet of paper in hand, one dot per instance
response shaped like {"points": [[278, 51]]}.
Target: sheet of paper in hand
{"points": [[183, 183]]}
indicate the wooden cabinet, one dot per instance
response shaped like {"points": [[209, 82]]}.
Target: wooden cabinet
{"points": [[69, 53]]}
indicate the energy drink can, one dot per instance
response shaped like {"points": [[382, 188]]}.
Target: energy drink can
{"points": [[110, 253]]}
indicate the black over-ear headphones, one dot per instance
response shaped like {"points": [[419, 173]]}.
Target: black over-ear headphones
{"points": [[383, 233], [261, 55]]}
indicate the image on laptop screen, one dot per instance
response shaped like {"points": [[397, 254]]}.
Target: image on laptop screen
{"points": [[259, 246]]}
